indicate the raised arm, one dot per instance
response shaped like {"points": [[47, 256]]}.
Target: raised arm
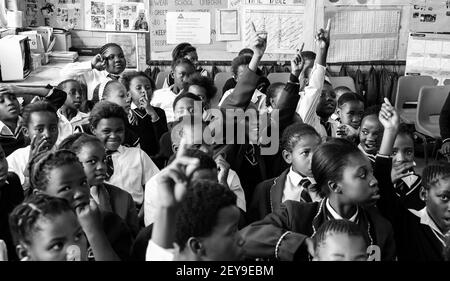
{"points": [[444, 124]]}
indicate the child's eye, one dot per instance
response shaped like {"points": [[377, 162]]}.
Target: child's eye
{"points": [[444, 198], [56, 247], [54, 129], [92, 162], [79, 236], [394, 152], [365, 133], [305, 153], [64, 189], [40, 130], [363, 175]]}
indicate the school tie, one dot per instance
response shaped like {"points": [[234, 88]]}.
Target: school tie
{"points": [[402, 188], [304, 196], [327, 126], [109, 164]]}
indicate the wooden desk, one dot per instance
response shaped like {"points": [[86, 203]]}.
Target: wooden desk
{"points": [[44, 75]]}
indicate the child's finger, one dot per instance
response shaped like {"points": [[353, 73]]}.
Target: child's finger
{"points": [[328, 25], [301, 48], [387, 102]]}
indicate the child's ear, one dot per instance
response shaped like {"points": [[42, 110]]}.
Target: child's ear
{"points": [[26, 133], [287, 156], [196, 246], [334, 187], [423, 194], [22, 252], [175, 148], [93, 129]]}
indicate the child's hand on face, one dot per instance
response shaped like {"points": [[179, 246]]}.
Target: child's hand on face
{"points": [[323, 36], [144, 103], [38, 144], [10, 89], [173, 180], [389, 116], [259, 42], [89, 216], [297, 63], [401, 171], [98, 62], [223, 169]]}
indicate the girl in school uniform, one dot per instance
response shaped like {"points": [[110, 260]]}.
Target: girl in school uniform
{"points": [[106, 65]]}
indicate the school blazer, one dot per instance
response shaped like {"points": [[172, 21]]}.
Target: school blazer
{"points": [[302, 220], [415, 241], [267, 197]]}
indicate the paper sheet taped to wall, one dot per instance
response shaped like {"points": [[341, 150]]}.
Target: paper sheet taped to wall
{"points": [[284, 26]]}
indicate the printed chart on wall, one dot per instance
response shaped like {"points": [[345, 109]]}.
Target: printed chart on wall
{"points": [[429, 54], [364, 34], [116, 15], [430, 16]]}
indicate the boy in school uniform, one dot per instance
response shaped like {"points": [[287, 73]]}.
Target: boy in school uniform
{"points": [[41, 126], [12, 136], [128, 168], [295, 183], [164, 98], [71, 119]]}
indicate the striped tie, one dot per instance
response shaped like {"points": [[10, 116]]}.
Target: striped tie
{"points": [[304, 196], [109, 164]]}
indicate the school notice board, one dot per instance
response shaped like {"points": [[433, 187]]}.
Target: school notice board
{"points": [[430, 16], [161, 49], [98, 15], [428, 54], [361, 34]]}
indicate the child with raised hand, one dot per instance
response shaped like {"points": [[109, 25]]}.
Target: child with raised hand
{"points": [[339, 240], [91, 153], [296, 182], [61, 174], [350, 109], [46, 228], [151, 121], [41, 126], [199, 219], [106, 65], [107, 121], [406, 181], [318, 101], [71, 119], [419, 235]]}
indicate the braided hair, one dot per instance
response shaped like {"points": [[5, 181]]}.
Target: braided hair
{"points": [[23, 218], [105, 47], [43, 163], [76, 141], [435, 172], [336, 227]]}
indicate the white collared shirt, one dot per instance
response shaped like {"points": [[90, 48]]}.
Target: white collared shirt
{"points": [[151, 196], [133, 168], [258, 99], [292, 190], [336, 216], [157, 253], [427, 220], [164, 98], [66, 127], [6, 131], [18, 160]]}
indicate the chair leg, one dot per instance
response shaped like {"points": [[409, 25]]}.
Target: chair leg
{"points": [[425, 145]]}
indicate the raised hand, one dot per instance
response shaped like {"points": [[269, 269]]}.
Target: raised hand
{"points": [[259, 41], [173, 180], [297, 63], [388, 116], [323, 36], [223, 168], [98, 62]]}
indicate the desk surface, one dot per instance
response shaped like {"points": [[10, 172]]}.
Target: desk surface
{"points": [[45, 75]]}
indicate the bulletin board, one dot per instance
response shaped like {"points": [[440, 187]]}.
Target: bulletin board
{"points": [[367, 30], [430, 16], [96, 15]]}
